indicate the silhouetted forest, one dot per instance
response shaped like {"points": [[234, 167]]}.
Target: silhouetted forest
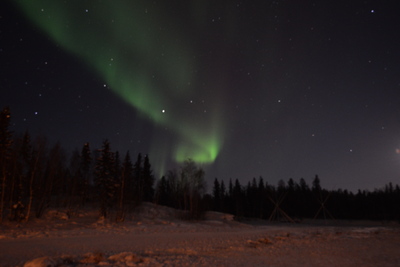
{"points": [[294, 201], [36, 176]]}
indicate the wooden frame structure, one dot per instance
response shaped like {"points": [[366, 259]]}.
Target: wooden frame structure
{"points": [[323, 208], [278, 211]]}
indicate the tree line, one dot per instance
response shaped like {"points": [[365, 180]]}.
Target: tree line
{"points": [[293, 201], [36, 176]]}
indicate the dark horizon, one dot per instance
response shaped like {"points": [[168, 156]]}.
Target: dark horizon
{"points": [[210, 183]]}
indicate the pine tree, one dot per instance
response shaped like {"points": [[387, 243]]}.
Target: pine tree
{"points": [[36, 166], [163, 192], [124, 182], [14, 172], [238, 199], [104, 174], [117, 176], [230, 199], [26, 155], [74, 182], [230, 188], [148, 180], [127, 179], [137, 181], [85, 165], [217, 195], [223, 195], [51, 181], [252, 199], [316, 185], [261, 197], [5, 145], [303, 186]]}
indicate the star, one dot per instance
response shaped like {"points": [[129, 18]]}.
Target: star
{"points": [[251, 63]]}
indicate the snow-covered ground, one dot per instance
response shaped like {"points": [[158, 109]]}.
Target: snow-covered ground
{"points": [[154, 237]]}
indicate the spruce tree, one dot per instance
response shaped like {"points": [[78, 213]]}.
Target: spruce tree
{"points": [[124, 185], [36, 169], [238, 199], [5, 146], [85, 165], [230, 188], [316, 184], [74, 184], [216, 195], [24, 157], [104, 174], [148, 180], [163, 192], [137, 181], [261, 197], [117, 176], [222, 195], [230, 198], [50, 182], [126, 180]]}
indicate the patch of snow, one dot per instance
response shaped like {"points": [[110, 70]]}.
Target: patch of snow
{"points": [[154, 236], [43, 262]]}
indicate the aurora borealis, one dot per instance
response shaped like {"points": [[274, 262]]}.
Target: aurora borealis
{"points": [[140, 63], [269, 88]]}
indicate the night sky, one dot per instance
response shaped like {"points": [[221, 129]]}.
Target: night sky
{"points": [[278, 89]]}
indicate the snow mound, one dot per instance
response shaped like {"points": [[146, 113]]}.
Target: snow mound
{"points": [[44, 262], [150, 212], [57, 214], [92, 259], [219, 216], [127, 258]]}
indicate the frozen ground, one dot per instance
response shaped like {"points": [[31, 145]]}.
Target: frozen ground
{"points": [[155, 238]]}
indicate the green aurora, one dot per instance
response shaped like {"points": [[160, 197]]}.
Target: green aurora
{"points": [[147, 58]]}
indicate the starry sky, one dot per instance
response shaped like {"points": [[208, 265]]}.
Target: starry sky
{"points": [[278, 89]]}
